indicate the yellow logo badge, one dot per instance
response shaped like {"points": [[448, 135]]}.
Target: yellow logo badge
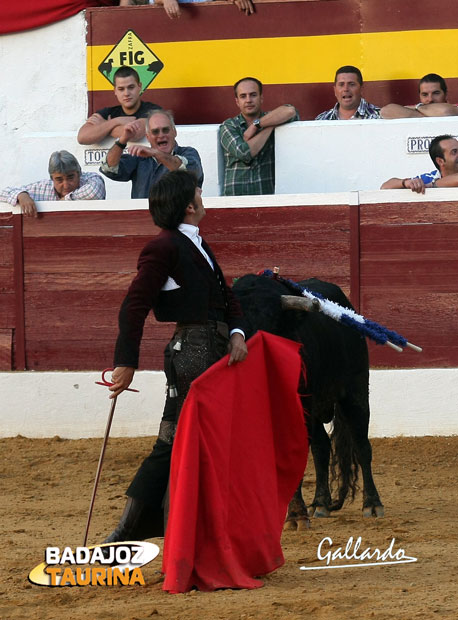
{"points": [[133, 52]]}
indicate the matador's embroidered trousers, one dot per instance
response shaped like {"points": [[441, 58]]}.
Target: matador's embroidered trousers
{"points": [[192, 350]]}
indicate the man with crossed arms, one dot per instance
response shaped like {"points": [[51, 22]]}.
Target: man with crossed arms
{"points": [[247, 141]]}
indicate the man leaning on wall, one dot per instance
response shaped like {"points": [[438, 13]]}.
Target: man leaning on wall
{"points": [[66, 182], [110, 121], [247, 141], [432, 92], [443, 151]]}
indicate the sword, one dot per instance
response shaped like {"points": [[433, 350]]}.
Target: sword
{"points": [[102, 452]]}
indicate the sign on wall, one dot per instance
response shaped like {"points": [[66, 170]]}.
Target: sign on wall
{"points": [[419, 144], [133, 52]]}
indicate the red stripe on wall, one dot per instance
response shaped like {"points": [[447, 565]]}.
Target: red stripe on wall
{"points": [[282, 19], [200, 23], [395, 15], [215, 104]]}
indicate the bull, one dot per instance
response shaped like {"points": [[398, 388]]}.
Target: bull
{"points": [[335, 388]]}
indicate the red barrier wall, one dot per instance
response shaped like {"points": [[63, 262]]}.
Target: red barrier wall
{"points": [[399, 260]]}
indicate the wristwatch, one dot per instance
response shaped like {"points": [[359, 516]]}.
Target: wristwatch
{"points": [[257, 124], [121, 145]]}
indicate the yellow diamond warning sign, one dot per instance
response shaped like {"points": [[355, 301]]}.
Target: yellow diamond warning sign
{"points": [[132, 52]]}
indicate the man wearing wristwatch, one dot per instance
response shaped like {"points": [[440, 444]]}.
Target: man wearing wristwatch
{"points": [[145, 165], [247, 141], [443, 150]]}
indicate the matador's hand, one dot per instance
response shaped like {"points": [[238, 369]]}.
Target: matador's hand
{"points": [[237, 349], [122, 377]]}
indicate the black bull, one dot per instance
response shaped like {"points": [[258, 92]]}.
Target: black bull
{"points": [[337, 391]]}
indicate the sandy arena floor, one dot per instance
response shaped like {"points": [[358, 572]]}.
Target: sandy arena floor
{"points": [[46, 489]]}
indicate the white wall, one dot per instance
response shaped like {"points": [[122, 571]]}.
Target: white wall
{"points": [[45, 93], [311, 156], [71, 405], [331, 156]]}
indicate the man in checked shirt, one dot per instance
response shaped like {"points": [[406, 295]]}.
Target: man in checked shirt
{"points": [[66, 182], [348, 84], [247, 141]]}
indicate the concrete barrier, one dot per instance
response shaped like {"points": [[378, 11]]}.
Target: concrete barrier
{"points": [[70, 404]]}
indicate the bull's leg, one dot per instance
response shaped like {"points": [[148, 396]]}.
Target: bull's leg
{"points": [[321, 450], [297, 517], [356, 411]]}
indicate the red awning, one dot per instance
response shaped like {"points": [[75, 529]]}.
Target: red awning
{"points": [[27, 14]]}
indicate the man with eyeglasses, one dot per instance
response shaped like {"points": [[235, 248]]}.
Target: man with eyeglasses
{"points": [[145, 165]]}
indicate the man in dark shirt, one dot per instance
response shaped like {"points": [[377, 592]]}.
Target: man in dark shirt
{"points": [[179, 279], [110, 121], [145, 165]]}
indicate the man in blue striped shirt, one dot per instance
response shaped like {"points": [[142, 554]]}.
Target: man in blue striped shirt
{"points": [[443, 150]]}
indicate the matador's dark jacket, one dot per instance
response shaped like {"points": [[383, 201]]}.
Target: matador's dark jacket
{"points": [[202, 294]]}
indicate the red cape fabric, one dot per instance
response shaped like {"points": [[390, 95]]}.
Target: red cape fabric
{"points": [[239, 454], [26, 14]]}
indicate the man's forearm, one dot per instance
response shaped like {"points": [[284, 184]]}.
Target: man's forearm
{"points": [[438, 109], [93, 133], [393, 183], [92, 189], [172, 162], [279, 116], [394, 110], [415, 184], [450, 180], [257, 142], [114, 155]]}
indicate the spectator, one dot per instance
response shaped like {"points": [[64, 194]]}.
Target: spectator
{"points": [[111, 121], [348, 84], [443, 150], [432, 91], [66, 182], [248, 141], [172, 7], [145, 165]]}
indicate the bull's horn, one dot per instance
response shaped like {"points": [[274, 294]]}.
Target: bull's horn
{"points": [[293, 302]]}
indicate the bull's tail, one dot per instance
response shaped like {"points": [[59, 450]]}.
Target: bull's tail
{"points": [[343, 462]]}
